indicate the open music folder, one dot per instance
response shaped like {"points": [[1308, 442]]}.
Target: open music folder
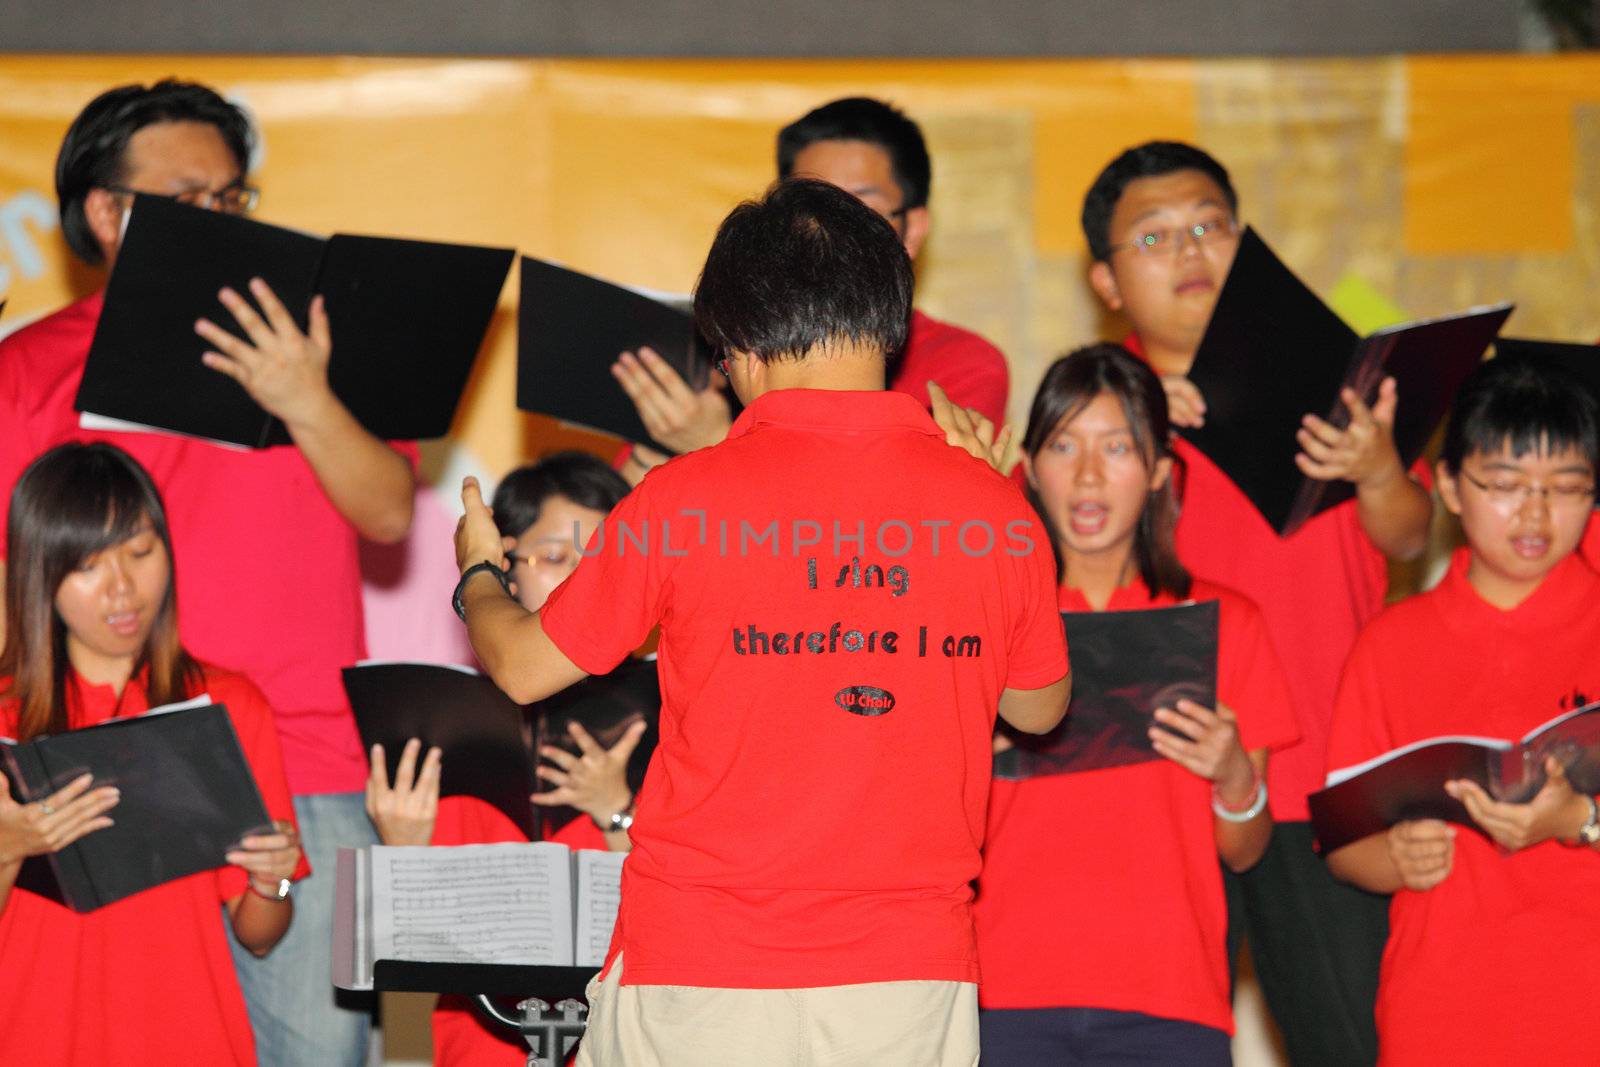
{"points": [[1408, 782], [407, 319], [188, 796], [1273, 353], [1125, 665], [571, 327]]}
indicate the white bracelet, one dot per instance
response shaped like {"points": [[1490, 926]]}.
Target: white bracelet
{"points": [[1256, 806]]}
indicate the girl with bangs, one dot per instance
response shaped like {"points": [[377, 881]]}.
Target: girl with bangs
{"points": [[92, 634], [1100, 916]]}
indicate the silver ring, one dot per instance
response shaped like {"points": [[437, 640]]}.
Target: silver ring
{"points": [[45, 807]]}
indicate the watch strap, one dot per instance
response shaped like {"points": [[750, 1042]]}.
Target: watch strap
{"points": [[466, 576]]}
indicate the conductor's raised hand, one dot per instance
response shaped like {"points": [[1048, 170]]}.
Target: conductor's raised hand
{"points": [[679, 417], [283, 369], [404, 813], [51, 824], [478, 539], [969, 429], [1363, 452]]}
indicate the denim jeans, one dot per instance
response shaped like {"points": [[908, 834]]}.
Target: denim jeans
{"points": [[290, 993]]}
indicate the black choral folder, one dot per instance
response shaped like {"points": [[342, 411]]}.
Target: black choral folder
{"points": [[1408, 782], [1273, 352], [1125, 665], [479, 730], [188, 795], [570, 329], [407, 319]]}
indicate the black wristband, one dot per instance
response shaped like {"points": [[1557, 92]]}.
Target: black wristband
{"points": [[466, 576]]}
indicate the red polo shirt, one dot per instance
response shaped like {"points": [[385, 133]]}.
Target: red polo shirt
{"points": [[148, 979], [267, 574], [1497, 963], [1316, 588], [970, 370], [1102, 889], [813, 813]]}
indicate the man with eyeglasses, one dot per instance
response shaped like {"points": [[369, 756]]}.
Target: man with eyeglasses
{"points": [[876, 153], [1161, 225], [267, 540]]}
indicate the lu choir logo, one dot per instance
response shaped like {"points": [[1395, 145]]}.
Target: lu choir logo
{"points": [[865, 700]]}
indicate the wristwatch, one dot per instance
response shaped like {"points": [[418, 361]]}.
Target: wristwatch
{"points": [[619, 821], [281, 894], [466, 576], [1589, 832]]}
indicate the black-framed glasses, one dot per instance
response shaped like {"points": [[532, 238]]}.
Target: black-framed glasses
{"points": [[1171, 241], [236, 198], [1510, 494]]}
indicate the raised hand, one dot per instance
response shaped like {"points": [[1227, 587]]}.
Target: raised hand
{"points": [[1422, 851], [594, 781], [404, 814], [1363, 452], [478, 539], [283, 369], [677, 416], [51, 824], [969, 430]]}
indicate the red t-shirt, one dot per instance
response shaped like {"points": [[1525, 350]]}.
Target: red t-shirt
{"points": [[1316, 587], [148, 979], [813, 813], [1590, 545], [270, 581], [1497, 963], [1102, 889], [970, 370], [461, 1037]]}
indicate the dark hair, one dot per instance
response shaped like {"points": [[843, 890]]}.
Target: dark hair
{"points": [[806, 265], [861, 118], [1069, 386], [1526, 404], [1153, 159], [92, 153], [72, 502], [581, 478]]}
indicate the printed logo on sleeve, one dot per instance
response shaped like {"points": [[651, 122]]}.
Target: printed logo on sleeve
{"points": [[866, 700]]}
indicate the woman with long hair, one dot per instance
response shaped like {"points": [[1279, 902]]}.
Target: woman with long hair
{"points": [[1100, 914], [91, 635]]}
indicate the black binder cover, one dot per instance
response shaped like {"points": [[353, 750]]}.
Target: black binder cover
{"points": [[407, 319], [1273, 352], [605, 705], [1408, 783], [188, 795], [1125, 665], [571, 328], [478, 728]]}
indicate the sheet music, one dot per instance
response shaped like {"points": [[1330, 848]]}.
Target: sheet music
{"points": [[599, 877], [507, 903]]}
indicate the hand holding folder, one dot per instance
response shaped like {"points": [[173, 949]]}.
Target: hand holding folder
{"points": [[1274, 353]]}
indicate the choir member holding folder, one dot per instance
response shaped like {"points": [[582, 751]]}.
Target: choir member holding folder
{"points": [[268, 536], [1491, 956], [1161, 226], [92, 634], [545, 513], [1101, 918]]}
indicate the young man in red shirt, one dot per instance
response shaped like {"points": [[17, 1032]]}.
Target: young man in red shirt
{"points": [[266, 539], [844, 602], [1161, 225], [868, 148], [1493, 924]]}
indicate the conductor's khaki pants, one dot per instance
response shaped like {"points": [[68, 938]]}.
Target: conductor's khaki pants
{"points": [[876, 1024]]}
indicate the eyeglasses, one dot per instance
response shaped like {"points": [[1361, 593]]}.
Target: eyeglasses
{"points": [[235, 199], [722, 366], [1171, 242], [1510, 494]]}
